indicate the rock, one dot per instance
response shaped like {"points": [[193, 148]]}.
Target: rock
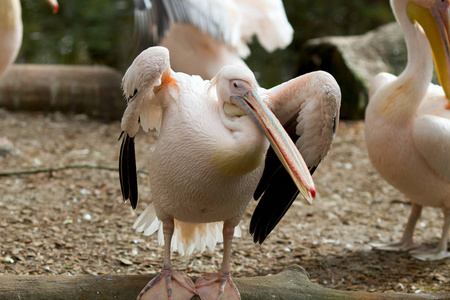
{"points": [[355, 60], [7, 148]]}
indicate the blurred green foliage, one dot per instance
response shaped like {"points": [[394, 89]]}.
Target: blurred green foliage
{"points": [[101, 32], [82, 32]]}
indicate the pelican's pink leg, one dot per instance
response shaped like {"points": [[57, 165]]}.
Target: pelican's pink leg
{"points": [[214, 286], [168, 284], [406, 243], [441, 251]]}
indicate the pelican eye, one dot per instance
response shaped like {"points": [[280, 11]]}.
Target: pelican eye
{"points": [[239, 87]]}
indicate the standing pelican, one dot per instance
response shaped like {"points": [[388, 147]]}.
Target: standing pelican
{"points": [[408, 120], [205, 35], [11, 31], [209, 157]]}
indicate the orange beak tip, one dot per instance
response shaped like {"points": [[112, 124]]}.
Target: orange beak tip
{"points": [[447, 105]]}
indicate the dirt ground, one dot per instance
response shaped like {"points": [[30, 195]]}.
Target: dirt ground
{"points": [[74, 221]]}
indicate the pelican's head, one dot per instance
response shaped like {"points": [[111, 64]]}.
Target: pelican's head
{"points": [[238, 90], [233, 81], [433, 17]]}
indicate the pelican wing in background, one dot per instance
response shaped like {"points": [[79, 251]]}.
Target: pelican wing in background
{"points": [[205, 35], [430, 145], [309, 111], [154, 17], [231, 22]]}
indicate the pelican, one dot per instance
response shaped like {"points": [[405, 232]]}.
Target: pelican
{"points": [[408, 120], [11, 31], [203, 36], [210, 156]]}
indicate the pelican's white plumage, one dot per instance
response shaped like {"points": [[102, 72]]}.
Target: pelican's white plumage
{"points": [[408, 120], [205, 35], [209, 159], [187, 237], [11, 31]]}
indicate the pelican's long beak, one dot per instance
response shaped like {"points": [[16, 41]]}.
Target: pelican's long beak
{"points": [[283, 145], [435, 23], [54, 4]]}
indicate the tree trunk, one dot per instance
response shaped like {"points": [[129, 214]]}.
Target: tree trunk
{"points": [[92, 90]]}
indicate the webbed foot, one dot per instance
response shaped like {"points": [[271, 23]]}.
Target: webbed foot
{"points": [[215, 286], [169, 285]]}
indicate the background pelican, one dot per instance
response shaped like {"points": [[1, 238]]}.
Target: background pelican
{"points": [[209, 156], [11, 31], [407, 120], [203, 36]]}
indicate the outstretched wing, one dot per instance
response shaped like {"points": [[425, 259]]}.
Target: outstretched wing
{"points": [[153, 18], [231, 22], [148, 74], [308, 107]]}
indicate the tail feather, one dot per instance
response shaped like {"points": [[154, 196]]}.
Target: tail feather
{"points": [[187, 237]]}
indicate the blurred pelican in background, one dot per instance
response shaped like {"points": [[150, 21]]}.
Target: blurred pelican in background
{"points": [[408, 120], [11, 30]]}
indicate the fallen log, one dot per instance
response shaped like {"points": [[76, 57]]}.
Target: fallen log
{"points": [[92, 90], [292, 283]]}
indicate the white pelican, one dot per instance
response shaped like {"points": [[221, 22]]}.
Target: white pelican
{"points": [[209, 157], [11, 31], [407, 120], [205, 35]]}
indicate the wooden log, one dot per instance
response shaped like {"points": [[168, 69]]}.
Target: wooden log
{"points": [[93, 90], [292, 283]]}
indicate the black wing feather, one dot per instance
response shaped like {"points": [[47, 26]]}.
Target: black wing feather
{"points": [[276, 191], [278, 196], [127, 171], [151, 22]]}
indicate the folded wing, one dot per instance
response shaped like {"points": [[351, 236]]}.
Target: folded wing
{"points": [[308, 107], [148, 74]]}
